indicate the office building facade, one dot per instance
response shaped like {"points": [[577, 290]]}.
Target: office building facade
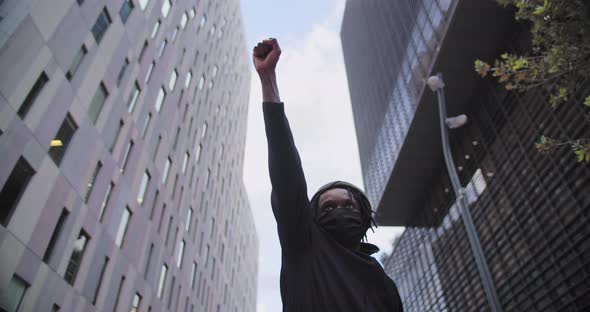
{"points": [[122, 133], [530, 210]]}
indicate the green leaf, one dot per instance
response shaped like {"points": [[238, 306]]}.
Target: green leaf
{"points": [[539, 10], [587, 101]]}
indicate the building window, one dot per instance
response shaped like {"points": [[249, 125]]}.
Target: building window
{"points": [[174, 34], [173, 78], [201, 82], [14, 188], [154, 202], [189, 77], [208, 177], [160, 99], [192, 13], [148, 262], [148, 73], [77, 256], [193, 273], [101, 25], [123, 225], [142, 52], [126, 156], [166, 8], [157, 147], [202, 22], [76, 62], [155, 29], [100, 279], [13, 294], [183, 20], [180, 254], [185, 161], [204, 131], [162, 48], [198, 152], [116, 136], [119, 292], [162, 282], [189, 217], [143, 187], [143, 3], [166, 170], [32, 95], [136, 302], [60, 143], [214, 71], [97, 103], [176, 138], [146, 125], [90, 185], [55, 235], [133, 96], [105, 201], [122, 71], [125, 10]]}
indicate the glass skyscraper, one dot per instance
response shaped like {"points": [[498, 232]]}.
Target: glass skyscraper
{"points": [[122, 133], [530, 210]]}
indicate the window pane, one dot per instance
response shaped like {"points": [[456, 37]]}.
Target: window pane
{"points": [[142, 52], [122, 71], [55, 235], [180, 254], [90, 185], [185, 161], [183, 20], [101, 25], [60, 143], [162, 47], [175, 33], [133, 97], [13, 189], [32, 95], [143, 187], [166, 8], [97, 103], [173, 78], [189, 219], [155, 29], [166, 170], [125, 10], [160, 99], [126, 156], [116, 136], [193, 273], [201, 82], [162, 282], [198, 151], [148, 73], [204, 131], [136, 303], [189, 77], [202, 21], [105, 200], [146, 125], [76, 258], [123, 227], [76, 62], [143, 3], [100, 279], [192, 13], [12, 295]]}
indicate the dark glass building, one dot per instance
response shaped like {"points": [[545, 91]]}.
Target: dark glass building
{"points": [[530, 210], [122, 133]]}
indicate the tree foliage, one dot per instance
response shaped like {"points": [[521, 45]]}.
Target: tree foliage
{"points": [[559, 59]]}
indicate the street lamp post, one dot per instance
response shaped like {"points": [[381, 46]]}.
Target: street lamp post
{"points": [[436, 84]]}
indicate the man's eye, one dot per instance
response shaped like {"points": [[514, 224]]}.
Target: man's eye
{"points": [[328, 208], [349, 206]]}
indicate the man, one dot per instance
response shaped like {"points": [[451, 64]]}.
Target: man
{"points": [[325, 264]]}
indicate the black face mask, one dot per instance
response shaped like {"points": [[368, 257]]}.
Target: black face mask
{"points": [[344, 224]]}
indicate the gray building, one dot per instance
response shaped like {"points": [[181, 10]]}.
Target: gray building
{"points": [[122, 133], [530, 210]]}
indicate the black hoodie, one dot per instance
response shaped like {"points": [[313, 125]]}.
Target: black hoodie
{"points": [[317, 274]]}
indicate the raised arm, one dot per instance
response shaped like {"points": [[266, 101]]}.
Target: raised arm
{"points": [[289, 199]]}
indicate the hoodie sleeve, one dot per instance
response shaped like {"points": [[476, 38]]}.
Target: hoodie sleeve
{"points": [[289, 200]]}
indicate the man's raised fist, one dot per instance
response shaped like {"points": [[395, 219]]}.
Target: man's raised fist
{"points": [[266, 56]]}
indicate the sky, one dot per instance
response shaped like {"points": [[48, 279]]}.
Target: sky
{"points": [[313, 85]]}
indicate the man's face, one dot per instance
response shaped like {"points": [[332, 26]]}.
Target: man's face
{"points": [[337, 198]]}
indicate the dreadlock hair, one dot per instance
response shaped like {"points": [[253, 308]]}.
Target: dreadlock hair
{"points": [[355, 193]]}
